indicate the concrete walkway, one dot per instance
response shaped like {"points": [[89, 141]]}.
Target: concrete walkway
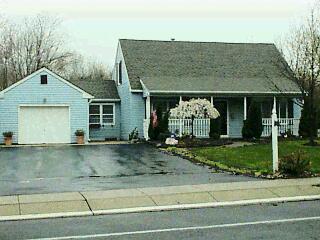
{"points": [[156, 199]]}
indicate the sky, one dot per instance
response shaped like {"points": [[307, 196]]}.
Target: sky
{"points": [[93, 27]]}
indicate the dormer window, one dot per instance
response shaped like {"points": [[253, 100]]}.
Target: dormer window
{"points": [[120, 73], [44, 79]]}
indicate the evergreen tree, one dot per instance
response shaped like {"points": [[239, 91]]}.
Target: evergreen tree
{"points": [[252, 127], [215, 128], [304, 126]]}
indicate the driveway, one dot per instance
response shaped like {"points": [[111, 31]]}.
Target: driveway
{"points": [[26, 170]]}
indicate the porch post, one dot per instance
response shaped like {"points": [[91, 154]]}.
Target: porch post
{"points": [[147, 120], [211, 100], [245, 108], [180, 100]]}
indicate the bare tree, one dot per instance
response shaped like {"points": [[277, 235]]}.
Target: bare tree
{"points": [[302, 52], [30, 46], [86, 70]]}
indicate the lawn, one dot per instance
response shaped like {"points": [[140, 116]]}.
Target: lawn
{"points": [[256, 157]]}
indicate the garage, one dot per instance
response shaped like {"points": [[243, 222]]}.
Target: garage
{"points": [[44, 108], [44, 124]]}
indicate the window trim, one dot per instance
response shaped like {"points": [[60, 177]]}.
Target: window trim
{"points": [[101, 114], [119, 73]]}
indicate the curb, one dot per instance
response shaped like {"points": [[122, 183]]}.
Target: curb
{"points": [[160, 208]]}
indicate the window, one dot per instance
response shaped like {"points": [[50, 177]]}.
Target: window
{"points": [[44, 79], [101, 114], [266, 109], [120, 73]]}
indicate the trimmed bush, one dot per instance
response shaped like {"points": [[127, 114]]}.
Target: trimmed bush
{"points": [[252, 127], [295, 164], [215, 128]]}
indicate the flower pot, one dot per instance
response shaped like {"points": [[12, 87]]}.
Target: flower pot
{"points": [[80, 139], [8, 141]]}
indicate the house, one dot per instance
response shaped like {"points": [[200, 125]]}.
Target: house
{"points": [[45, 108], [161, 73]]}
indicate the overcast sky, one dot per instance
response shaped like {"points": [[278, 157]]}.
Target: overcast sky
{"points": [[93, 27]]}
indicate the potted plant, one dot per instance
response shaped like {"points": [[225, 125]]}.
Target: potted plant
{"points": [[80, 136], [8, 138]]}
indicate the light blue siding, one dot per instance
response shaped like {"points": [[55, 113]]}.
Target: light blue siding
{"points": [[108, 131], [235, 117], [296, 110], [32, 92], [132, 104]]}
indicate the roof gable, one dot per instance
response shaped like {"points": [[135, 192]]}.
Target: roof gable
{"points": [[176, 66], [84, 93]]}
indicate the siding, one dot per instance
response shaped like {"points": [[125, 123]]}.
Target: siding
{"points": [[32, 92], [108, 131], [296, 110], [132, 108], [235, 117]]}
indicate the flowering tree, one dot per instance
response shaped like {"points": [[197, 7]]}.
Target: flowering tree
{"points": [[195, 108]]}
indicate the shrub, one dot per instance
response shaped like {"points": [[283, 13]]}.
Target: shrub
{"points": [[7, 134], [134, 135], [79, 132], [215, 128], [304, 126], [164, 123], [294, 164], [252, 127]]}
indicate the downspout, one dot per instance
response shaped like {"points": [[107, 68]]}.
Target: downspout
{"points": [[89, 119]]}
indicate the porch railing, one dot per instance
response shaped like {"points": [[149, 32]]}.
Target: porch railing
{"points": [[201, 127], [287, 125]]}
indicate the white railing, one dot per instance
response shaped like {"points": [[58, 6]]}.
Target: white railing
{"points": [[201, 127], [290, 125]]}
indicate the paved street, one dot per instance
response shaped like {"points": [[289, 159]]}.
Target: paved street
{"points": [[26, 170], [296, 220]]}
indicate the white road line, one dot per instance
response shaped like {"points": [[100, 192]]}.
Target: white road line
{"points": [[227, 225]]}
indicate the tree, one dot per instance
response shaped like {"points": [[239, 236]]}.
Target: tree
{"points": [[302, 52], [252, 126], [80, 68], [27, 47], [195, 108], [215, 128]]}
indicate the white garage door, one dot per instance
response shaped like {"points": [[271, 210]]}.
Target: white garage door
{"points": [[44, 124]]}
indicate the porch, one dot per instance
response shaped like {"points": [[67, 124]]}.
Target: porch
{"points": [[233, 111]]}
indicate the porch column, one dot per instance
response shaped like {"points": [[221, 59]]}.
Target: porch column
{"points": [[147, 120], [274, 102], [211, 100], [245, 108], [180, 100]]}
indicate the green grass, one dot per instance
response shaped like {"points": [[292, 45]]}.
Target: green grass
{"points": [[257, 157]]}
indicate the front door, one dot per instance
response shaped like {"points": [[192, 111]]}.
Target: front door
{"points": [[222, 107]]}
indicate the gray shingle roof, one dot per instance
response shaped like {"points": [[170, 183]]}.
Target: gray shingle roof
{"points": [[100, 89], [206, 66]]}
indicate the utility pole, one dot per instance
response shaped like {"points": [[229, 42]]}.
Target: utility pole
{"points": [[275, 124]]}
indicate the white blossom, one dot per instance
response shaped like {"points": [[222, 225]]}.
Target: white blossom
{"points": [[195, 108]]}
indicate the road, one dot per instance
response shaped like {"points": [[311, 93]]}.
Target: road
{"points": [[298, 220]]}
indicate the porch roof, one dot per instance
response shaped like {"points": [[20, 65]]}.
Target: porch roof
{"points": [[181, 66]]}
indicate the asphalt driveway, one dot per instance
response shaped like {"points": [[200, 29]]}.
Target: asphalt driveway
{"points": [[25, 170]]}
